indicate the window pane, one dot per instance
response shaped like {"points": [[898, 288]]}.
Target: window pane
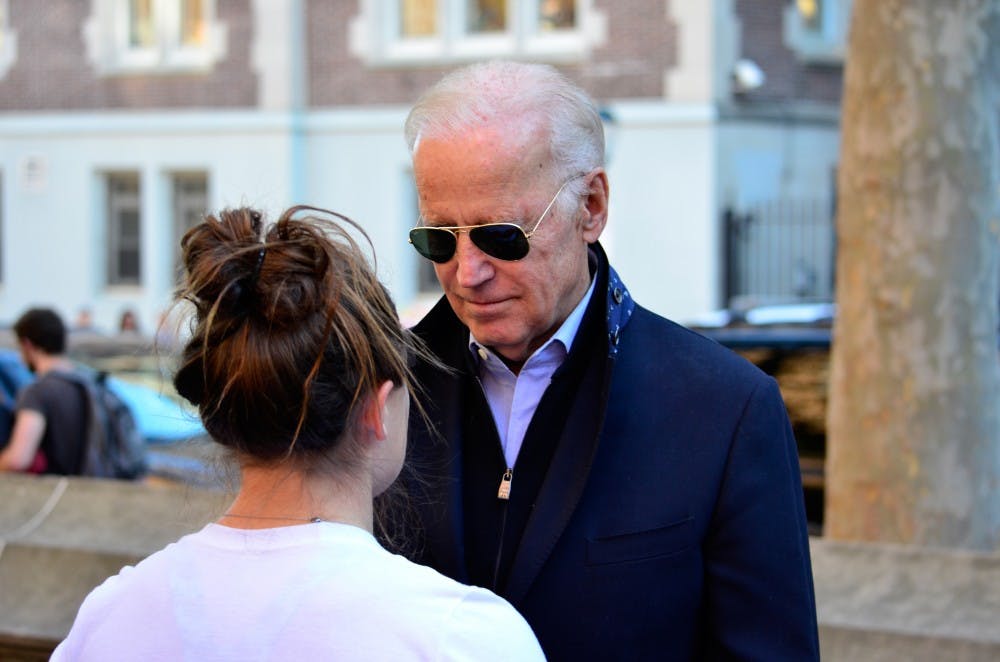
{"points": [[128, 227], [417, 18], [556, 15], [128, 265], [190, 204], [486, 15], [192, 23], [141, 30], [124, 229], [812, 13]]}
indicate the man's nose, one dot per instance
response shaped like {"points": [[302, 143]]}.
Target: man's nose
{"points": [[473, 267]]}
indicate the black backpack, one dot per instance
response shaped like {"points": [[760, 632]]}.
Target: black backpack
{"points": [[114, 448]]}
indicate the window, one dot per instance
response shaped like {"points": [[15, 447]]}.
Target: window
{"points": [[8, 39], [124, 223], [154, 35], [443, 31], [189, 192], [817, 29], [811, 14]]}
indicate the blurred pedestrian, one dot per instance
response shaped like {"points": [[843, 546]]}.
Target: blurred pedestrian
{"points": [[51, 414], [128, 323]]}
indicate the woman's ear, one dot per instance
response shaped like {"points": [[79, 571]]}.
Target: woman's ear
{"points": [[373, 418]]}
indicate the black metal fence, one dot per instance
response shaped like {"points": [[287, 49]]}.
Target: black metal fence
{"points": [[779, 251]]}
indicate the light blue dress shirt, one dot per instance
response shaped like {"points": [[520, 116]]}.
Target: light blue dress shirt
{"points": [[514, 398]]}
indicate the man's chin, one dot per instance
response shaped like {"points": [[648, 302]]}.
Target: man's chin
{"points": [[498, 342]]}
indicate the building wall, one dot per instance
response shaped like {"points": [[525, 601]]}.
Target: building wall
{"points": [[54, 243], [660, 237], [791, 76], [293, 112], [55, 72], [636, 46], [767, 158]]}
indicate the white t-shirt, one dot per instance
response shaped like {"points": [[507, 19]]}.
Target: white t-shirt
{"points": [[320, 591]]}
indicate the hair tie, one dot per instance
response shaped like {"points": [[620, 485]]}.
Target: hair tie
{"points": [[260, 263]]}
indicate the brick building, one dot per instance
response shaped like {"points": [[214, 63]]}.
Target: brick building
{"points": [[123, 121]]}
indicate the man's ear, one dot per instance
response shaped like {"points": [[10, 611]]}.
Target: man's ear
{"points": [[374, 415], [596, 204], [27, 348]]}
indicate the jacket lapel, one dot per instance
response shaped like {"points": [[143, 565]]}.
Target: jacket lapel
{"points": [[570, 467], [437, 455], [564, 482]]}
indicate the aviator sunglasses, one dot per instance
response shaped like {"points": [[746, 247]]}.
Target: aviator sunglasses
{"points": [[504, 241]]}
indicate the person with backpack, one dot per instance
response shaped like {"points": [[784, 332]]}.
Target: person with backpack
{"points": [[50, 428]]}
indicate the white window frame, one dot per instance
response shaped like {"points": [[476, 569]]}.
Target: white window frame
{"points": [[113, 206], [8, 39], [106, 34], [182, 204], [826, 45], [374, 35]]}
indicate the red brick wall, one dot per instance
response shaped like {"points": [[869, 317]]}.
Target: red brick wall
{"points": [[640, 47], [788, 77], [52, 70]]}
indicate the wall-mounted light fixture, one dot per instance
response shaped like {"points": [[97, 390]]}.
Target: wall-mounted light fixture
{"points": [[747, 76]]}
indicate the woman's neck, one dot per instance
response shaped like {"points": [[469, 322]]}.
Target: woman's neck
{"points": [[279, 495]]}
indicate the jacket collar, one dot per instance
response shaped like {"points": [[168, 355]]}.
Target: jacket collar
{"points": [[619, 301], [452, 346]]}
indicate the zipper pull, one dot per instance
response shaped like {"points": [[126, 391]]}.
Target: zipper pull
{"points": [[504, 491]]}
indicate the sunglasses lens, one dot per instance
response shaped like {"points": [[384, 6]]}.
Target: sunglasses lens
{"points": [[503, 241], [435, 245]]}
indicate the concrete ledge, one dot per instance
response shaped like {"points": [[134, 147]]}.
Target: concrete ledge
{"points": [[61, 537], [897, 602], [41, 589], [102, 515], [844, 643]]}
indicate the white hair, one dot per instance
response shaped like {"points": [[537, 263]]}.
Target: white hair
{"points": [[515, 95]]}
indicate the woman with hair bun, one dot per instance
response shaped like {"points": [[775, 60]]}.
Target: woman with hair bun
{"points": [[298, 364]]}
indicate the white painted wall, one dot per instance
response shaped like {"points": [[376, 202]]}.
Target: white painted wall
{"points": [[662, 235], [53, 233], [764, 160], [358, 165]]}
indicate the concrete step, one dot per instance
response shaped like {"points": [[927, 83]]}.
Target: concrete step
{"points": [[900, 602]]}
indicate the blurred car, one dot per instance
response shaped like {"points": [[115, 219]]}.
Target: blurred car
{"points": [[792, 344]]}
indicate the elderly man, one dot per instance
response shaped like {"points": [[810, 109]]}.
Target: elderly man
{"points": [[629, 486]]}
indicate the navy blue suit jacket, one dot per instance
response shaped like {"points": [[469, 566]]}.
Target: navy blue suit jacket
{"points": [[670, 522]]}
